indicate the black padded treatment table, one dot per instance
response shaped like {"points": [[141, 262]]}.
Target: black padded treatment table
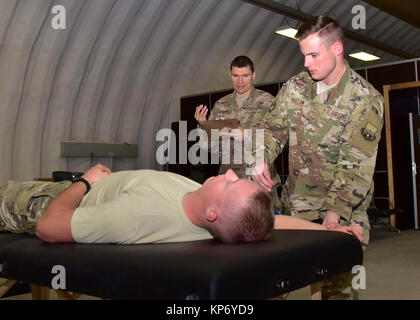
{"points": [[204, 270]]}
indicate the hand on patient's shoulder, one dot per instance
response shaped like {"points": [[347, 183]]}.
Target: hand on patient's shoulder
{"points": [[96, 173]]}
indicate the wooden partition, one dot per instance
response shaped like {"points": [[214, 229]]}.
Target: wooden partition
{"points": [[398, 161], [380, 75]]}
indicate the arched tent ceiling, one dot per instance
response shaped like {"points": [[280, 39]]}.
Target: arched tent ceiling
{"points": [[405, 10], [118, 70]]}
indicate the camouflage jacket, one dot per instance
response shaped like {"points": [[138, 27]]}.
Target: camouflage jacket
{"points": [[333, 141], [253, 110]]}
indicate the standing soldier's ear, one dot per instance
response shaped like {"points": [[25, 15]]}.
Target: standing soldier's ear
{"points": [[338, 48]]}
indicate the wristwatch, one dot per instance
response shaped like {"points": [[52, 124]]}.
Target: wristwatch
{"points": [[87, 184]]}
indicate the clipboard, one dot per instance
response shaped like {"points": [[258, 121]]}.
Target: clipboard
{"points": [[219, 125]]}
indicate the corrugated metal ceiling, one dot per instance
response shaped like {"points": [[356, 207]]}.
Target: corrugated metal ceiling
{"points": [[118, 70]]}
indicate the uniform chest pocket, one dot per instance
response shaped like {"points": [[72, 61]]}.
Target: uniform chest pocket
{"points": [[323, 125]]}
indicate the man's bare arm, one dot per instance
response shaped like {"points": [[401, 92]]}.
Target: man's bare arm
{"points": [[55, 224], [288, 222]]}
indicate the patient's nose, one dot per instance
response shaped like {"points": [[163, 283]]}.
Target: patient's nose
{"points": [[231, 175]]}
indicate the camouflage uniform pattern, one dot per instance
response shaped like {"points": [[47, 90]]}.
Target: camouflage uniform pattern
{"points": [[23, 203], [249, 115], [253, 110], [333, 141]]}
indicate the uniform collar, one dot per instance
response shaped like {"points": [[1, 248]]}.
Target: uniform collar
{"points": [[248, 101], [339, 88], [310, 90]]}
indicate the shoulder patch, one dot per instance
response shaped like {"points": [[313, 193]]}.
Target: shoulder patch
{"points": [[366, 135], [369, 132]]}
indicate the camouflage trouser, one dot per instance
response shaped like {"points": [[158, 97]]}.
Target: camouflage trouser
{"points": [[340, 287], [23, 203]]}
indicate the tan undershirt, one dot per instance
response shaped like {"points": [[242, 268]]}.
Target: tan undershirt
{"points": [[240, 98], [322, 87]]}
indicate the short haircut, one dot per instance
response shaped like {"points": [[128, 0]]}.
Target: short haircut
{"points": [[328, 30], [251, 222], [242, 62]]}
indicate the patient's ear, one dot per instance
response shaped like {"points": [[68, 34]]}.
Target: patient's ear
{"points": [[212, 214]]}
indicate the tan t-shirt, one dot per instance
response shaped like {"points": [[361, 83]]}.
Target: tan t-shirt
{"points": [[133, 207], [322, 87]]}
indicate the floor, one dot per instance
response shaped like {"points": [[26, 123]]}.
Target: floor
{"points": [[392, 269], [392, 266]]}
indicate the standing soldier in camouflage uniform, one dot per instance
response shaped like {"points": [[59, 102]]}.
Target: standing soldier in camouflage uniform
{"points": [[332, 119], [245, 103]]}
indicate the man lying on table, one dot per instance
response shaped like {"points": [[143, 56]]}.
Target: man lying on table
{"points": [[145, 206]]}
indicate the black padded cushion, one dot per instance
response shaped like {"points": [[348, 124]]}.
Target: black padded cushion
{"points": [[290, 260], [7, 238]]}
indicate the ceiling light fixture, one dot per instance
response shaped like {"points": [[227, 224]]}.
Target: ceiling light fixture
{"points": [[287, 32], [364, 56]]}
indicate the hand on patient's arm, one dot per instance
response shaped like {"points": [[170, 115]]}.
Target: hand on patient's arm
{"points": [[354, 229], [55, 223], [331, 220]]}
